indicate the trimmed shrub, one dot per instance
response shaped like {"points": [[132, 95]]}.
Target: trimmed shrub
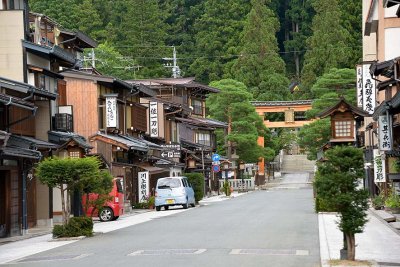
{"points": [[322, 206], [197, 182], [77, 226], [227, 189]]}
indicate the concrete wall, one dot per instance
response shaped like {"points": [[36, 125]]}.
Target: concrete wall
{"points": [[11, 52], [369, 42]]}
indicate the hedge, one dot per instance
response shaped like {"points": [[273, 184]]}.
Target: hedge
{"points": [[197, 182]]}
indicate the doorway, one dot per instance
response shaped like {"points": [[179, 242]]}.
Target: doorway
{"points": [[4, 203]]}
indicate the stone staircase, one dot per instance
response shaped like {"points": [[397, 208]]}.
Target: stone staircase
{"points": [[297, 163]]}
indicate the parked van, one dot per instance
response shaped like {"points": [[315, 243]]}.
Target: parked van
{"points": [[113, 208], [173, 191]]}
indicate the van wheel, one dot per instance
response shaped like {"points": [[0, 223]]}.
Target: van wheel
{"points": [[166, 207], [158, 208], [106, 214], [186, 205], [193, 205]]}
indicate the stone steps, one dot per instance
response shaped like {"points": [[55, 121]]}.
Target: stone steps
{"points": [[297, 163]]}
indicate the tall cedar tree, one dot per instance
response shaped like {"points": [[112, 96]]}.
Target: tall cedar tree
{"points": [[259, 66], [73, 14], [232, 106], [181, 17], [218, 32], [337, 183], [140, 35], [297, 27], [327, 47]]}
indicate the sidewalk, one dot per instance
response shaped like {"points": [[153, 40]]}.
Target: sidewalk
{"points": [[379, 243], [41, 239]]}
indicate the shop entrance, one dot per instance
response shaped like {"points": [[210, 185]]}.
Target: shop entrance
{"points": [[4, 203]]}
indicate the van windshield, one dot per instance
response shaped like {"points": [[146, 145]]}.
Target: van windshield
{"points": [[168, 183]]}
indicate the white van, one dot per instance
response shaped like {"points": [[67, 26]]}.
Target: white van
{"points": [[173, 191]]}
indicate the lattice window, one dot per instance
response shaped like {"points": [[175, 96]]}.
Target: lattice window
{"points": [[74, 154], [343, 128]]}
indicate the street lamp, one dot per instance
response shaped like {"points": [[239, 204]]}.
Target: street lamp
{"points": [[226, 168], [241, 168]]}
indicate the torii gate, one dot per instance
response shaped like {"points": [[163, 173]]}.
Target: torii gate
{"points": [[293, 117]]}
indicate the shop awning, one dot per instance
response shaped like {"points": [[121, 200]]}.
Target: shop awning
{"points": [[122, 141], [20, 147]]}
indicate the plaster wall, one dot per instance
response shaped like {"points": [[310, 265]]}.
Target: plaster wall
{"points": [[11, 51]]}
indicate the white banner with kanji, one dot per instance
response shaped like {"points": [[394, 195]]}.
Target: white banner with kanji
{"points": [[144, 187]]}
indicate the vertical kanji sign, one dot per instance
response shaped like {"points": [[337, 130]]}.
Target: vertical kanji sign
{"points": [[379, 168], [369, 90], [385, 140], [111, 111], [153, 119], [143, 178], [359, 82]]}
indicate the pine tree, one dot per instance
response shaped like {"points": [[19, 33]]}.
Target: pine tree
{"points": [[327, 47], [259, 66]]}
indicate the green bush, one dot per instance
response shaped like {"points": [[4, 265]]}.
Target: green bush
{"points": [[227, 189], [378, 202], [77, 226], [393, 201], [197, 182], [322, 206]]}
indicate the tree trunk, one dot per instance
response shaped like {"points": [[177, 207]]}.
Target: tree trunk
{"points": [[351, 246], [64, 212]]}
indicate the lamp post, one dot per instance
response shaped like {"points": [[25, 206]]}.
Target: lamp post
{"points": [[226, 168]]}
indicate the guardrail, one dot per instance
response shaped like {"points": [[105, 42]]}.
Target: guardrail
{"points": [[237, 185]]}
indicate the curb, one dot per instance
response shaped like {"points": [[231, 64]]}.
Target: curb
{"points": [[372, 211]]}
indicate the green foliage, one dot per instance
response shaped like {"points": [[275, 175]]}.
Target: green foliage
{"points": [[313, 136], [148, 204], [336, 184], [378, 202], [226, 188], [259, 66], [327, 46], [218, 30], [66, 174], [329, 87], [197, 182], [393, 200], [77, 226], [322, 205], [232, 105]]}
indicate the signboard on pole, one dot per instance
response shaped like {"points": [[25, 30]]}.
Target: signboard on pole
{"points": [[385, 140], [359, 70], [144, 188], [369, 90], [215, 157], [153, 119], [379, 168], [215, 168], [111, 111]]}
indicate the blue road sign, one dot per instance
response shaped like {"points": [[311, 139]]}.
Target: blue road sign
{"points": [[215, 168], [215, 157]]}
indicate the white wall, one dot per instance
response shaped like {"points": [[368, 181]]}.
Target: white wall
{"points": [[392, 43], [11, 53]]}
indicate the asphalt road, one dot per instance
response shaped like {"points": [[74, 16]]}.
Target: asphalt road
{"points": [[277, 227]]}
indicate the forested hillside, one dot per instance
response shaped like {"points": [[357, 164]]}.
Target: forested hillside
{"points": [[266, 44]]}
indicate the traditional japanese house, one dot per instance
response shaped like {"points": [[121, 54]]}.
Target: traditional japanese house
{"points": [[106, 111], [182, 129], [381, 54], [34, 49]]}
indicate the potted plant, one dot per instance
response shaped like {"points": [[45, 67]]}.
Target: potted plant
{"points": [[150, 202], [378, 202], [392, 203]]}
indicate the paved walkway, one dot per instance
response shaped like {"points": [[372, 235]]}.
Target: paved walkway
{"points": [[28, 245], [378, 243]]}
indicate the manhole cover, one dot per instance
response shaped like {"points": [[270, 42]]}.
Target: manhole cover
{"points": [[167, 252], [284, 252], [54, 258]]}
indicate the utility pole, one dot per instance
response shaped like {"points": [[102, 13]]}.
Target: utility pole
{"points": [[93, 59], [176, 72]]}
